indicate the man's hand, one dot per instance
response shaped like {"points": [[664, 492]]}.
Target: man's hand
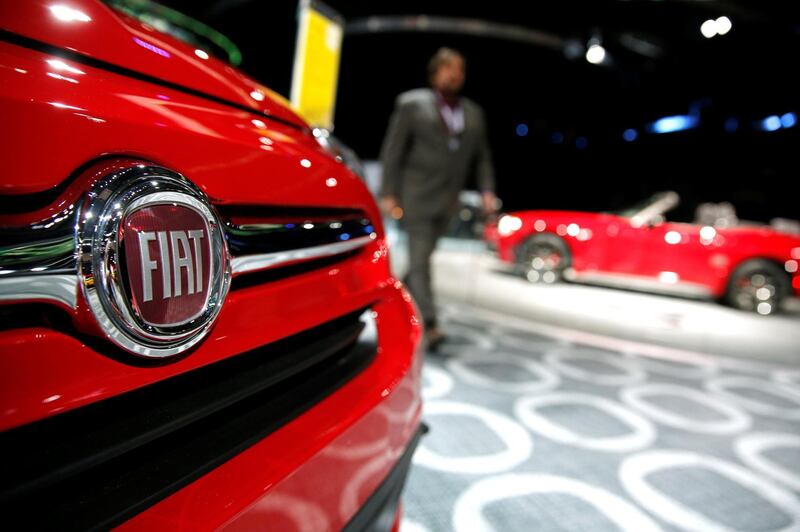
{"points": [[489, 203], [390, 207]]}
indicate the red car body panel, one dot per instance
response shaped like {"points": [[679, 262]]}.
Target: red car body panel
{"points": [[71, 117], [124, 42], [608, 244], [315, 472]]}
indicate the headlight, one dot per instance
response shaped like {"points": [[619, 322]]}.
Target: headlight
{"points": [[508, 224]]}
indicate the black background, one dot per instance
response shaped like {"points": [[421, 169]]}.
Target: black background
{"points": [[748, 74]]}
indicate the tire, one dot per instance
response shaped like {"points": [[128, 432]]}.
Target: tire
{"points": [[758, 286], [543, 258]]}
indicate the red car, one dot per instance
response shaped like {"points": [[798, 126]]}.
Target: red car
{"points": [[199, 329], [750, 266]]}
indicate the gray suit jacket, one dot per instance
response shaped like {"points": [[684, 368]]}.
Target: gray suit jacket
{"points": [[419, 168]]}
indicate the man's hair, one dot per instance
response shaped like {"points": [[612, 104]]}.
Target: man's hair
{"points": [[442, 56]]}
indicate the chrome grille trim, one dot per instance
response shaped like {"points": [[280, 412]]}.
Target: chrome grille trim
{"points": [[45, 270], [61, 288], [264, 261]]}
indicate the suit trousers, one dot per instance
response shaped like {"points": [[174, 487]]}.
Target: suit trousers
{"points": [[423, 233]]}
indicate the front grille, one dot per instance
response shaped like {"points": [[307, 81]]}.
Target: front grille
{"points": [[37, 261], [97, 466]]}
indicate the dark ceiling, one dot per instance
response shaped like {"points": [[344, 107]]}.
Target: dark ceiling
{"points": [[575, 112]]}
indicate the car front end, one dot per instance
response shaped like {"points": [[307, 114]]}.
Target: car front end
{"points": [[199, 325]]}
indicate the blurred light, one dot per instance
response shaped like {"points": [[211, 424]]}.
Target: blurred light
{"points": [[731, 125], [331, 182], [670, 124], [630, 135], [763, 293], [708, 28], [581, 143], [573, 229], [522, 130], [540, 225], [67, 14], [201, 54], [771, 123], [397, 213], [724, 25], [668, 277], [259, 123], [537, 263], [789, 120], [796, 253], [305, 163], [596, 54], [257, 96], [561, 229], [533, 276], [344, 236], [508, 224], [61, 65], [308, 226], [63, 78], [672, 237], [708, 233], [791, 266], [65, 106], [764, 308], [21, 70], [557, 137], [265, 140], [153, 48], [549, 277], [584, 235]]}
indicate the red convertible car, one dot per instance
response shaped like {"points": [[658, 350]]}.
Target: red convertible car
{"points": [[198, 327], [750, 266]]}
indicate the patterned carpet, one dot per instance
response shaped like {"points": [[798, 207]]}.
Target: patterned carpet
{"points": [[532, 432]]}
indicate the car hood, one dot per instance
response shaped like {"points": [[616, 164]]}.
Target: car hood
{"points": [[96, 31]]}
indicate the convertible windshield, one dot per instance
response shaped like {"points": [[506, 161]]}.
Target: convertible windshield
{"points": [[661, 200]]}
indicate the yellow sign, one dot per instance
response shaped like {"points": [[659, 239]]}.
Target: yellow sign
{"points": [[316, 63]]}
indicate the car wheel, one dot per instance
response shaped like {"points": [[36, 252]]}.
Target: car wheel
{"points": [[543, 258], [758, 286]]}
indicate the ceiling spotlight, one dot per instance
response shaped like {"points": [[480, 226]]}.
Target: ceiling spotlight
{"points": [[595, 54], [709, 28], [724, 25], [630, 135], [771, 123]]}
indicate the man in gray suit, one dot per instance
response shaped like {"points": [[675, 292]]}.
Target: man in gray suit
{"points": [[435, 142]]}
